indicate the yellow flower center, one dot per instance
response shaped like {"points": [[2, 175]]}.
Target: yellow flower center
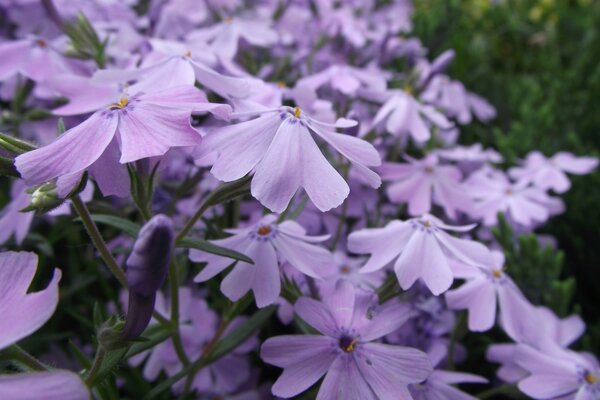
{"points": [[349, 347], [122, 103], [264, 230], [497, 273], [41, 42], [188, 53], [297, 112], [426, 223], [591, 378], [345, 269], [280, 84]]}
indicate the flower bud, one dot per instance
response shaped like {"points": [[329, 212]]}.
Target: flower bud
{"points": [[44, 198], [147, 268], [148, 263]]}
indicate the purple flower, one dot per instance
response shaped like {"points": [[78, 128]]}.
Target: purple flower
{"points": [[486, 286], [143, 126], [558, 373], [550, 173], [405, 116], [280, 150], [356, 367], [265, 243], [33, 57], [421, 248], [494, 193], [12, 220], [422, 181]]}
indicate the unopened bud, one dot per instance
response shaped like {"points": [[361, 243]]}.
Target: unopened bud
{"points": [[44, 198], [147, 267]]}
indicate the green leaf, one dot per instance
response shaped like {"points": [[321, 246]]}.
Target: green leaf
{"points": [[189, 243], [14, 145], [7, 168], [122, 224], [152, 336]]}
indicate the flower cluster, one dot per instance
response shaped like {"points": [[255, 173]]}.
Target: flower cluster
{"points": [[294, 156]]}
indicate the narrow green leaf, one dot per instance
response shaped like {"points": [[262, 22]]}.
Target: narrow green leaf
{"points": [[199, 244], [122, 224]]}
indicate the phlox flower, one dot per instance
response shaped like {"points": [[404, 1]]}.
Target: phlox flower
{"points": [[422, 250], [558, 373], [406, 116], [266, 243], [33, 57], [421, 182], [280, 150], [133, 128], [551, 173], [541, 329], [22, 314], [486, 287], [493, 192], [348, 323]]}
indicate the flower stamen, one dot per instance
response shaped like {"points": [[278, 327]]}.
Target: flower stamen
{"points": [[264, 230], [122, 103], [297, 112]]}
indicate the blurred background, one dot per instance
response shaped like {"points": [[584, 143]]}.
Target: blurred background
{"points": [[538, 63]]}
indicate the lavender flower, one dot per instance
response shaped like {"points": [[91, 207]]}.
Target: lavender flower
{"points": [[356, 367]]}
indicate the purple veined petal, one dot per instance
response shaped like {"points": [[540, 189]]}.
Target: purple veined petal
{"points": [[384, 244], [13, 54], [317, 315], [390, 171], [467, 251], [548, 386], [415, 190], [345, 381], [150, 130], [287, 350], [479, 297], [266, 284], [226, 86], [12, 220], [341, 303], [339, 123], [280, 172], [48, 385], [517, 315], [436, 117], [388, 318], [179, 97], [84, 94], [353, 148], [399, 120], [23, 313], [571, 329], [368, 176], [173, 71], [384, 112], [245, 276], [452, 197], [240, 147], [437, 390], [323, 184], [452, 377], [416, 125], [298, 377], [389, 369], [525, 211], [345, 83], [216, 264], [73, 151], [65, 184], [575, 165], [110, 175], [423, 258], [585, 394], [309, 259], [295, 230]]}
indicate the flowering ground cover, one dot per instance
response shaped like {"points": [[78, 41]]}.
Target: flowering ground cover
{"points": [[295, 199]]}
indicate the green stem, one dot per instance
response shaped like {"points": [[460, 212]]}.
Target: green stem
{"points": [[97, 239], [15, 352], [174, 292], [93, 372]]}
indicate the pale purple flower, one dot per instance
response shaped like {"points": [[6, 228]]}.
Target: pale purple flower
{"points": [[266, 243], [406, 116], [421, 249], [472, 154], [33, 57], [558, 373], [493, 192], [356, 367], [551, 173], [348, 268], [280, 150], [224, 37], [137, 127], [423, 182], [487, 287], [343, 78], [13, 222]]}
